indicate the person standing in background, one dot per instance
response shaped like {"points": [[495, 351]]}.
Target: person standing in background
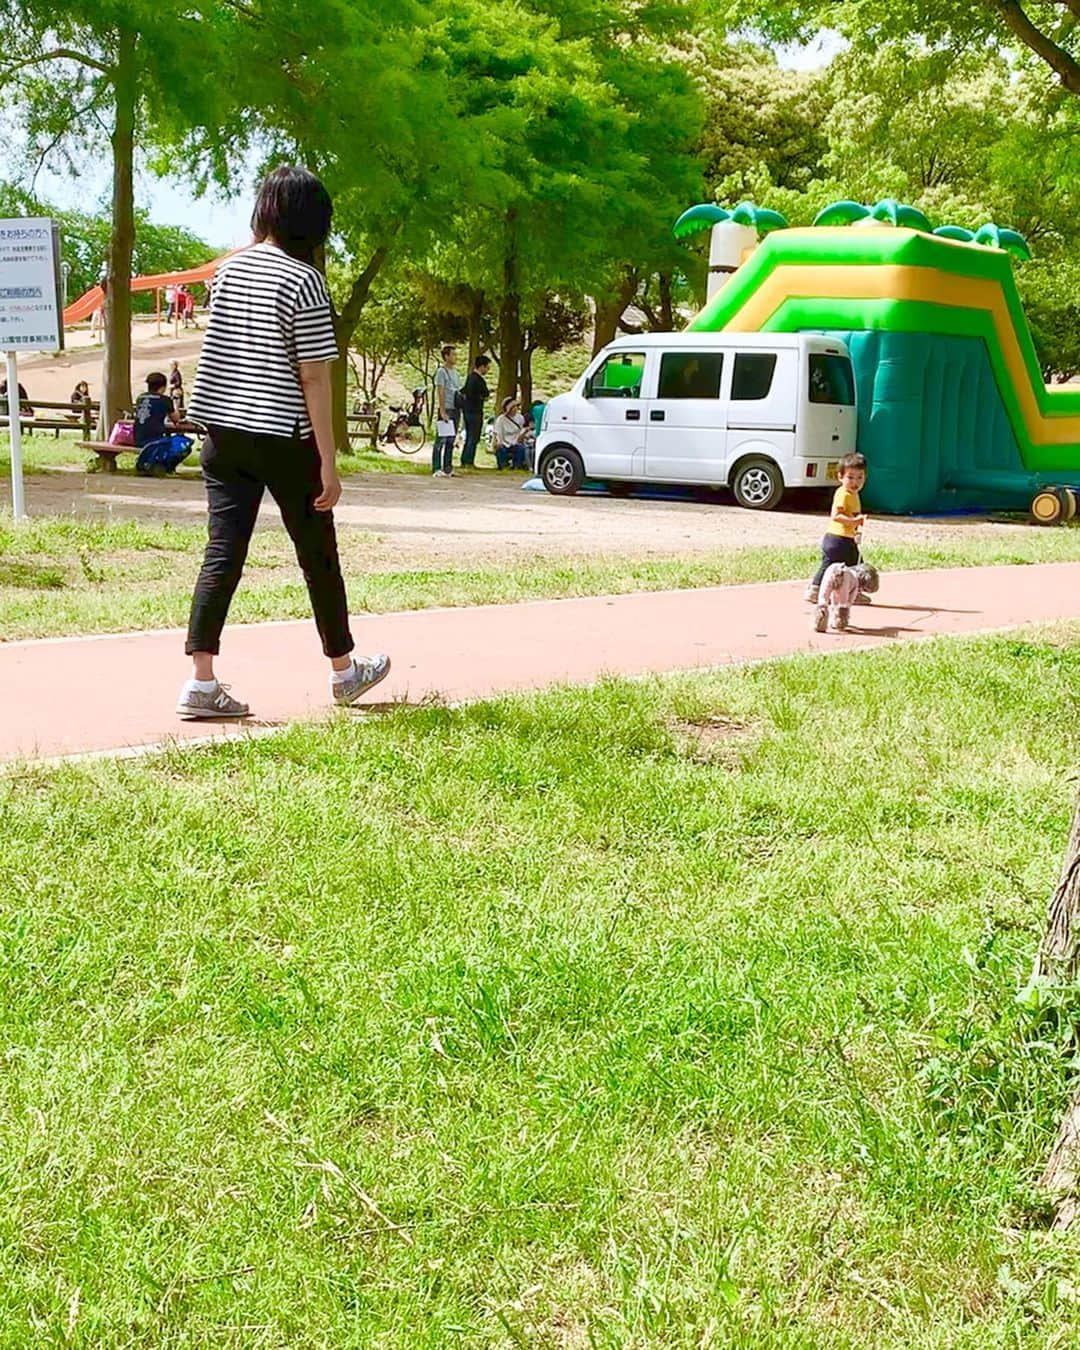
{"points": [[447, 389], [473, 397], [262, 390], [176, 386]]}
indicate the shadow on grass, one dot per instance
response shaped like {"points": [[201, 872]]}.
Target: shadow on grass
{"points": [[29, 576]]}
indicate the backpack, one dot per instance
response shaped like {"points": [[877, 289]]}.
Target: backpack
{"points": [[162, 456]]}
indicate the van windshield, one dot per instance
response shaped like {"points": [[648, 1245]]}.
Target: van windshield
{"points": [[831, 379]]}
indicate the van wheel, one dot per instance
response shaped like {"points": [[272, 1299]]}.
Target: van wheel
{"points": [[561, 471], [757, 484]]}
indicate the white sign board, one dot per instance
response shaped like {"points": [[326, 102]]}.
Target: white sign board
{"points": [[31, 316]]}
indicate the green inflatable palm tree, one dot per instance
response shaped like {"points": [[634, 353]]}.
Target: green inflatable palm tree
{"points": [[708, 214], [888, 211], [733, 234], [989, 236]]}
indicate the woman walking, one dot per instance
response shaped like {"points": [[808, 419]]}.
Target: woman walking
{"points": [[263, 392]]}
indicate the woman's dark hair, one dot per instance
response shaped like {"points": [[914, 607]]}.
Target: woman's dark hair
{"points": [[294, 210]]}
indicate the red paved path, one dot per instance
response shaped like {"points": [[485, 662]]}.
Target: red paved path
{"points": [[70, 696]]}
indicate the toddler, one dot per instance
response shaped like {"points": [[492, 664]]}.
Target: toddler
{"points": [[842, 587], [841, 543]]}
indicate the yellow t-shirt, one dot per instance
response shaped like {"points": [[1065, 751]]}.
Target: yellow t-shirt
{"points": [[848, 502]]}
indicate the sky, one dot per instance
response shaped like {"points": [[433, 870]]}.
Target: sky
{"points": [[224, 223]]}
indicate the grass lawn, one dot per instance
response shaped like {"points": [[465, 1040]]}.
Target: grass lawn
{"points": [[677, 1013], [71, 575]]}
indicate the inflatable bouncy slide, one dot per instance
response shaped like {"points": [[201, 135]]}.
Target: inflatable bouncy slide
{"points": [[953, 411]]}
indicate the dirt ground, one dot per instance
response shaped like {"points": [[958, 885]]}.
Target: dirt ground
{"points": [[482, 518]]}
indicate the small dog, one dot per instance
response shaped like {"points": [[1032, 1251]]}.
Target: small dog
{"points": [[842, 587]]}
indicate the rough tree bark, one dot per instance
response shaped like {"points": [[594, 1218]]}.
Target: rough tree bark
{"points": [[1059, 960], [610, 308], [116, 373], [344, 327], [475, 319], [526, 377], [509, 315], [667, 303]]}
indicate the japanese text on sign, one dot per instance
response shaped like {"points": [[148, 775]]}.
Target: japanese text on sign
{"points": [[30, 311]]}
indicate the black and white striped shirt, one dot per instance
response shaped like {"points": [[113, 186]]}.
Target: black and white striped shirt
{"points": [[270, 313]]}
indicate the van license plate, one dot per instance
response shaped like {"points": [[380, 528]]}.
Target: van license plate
{"points": [[832, 471]]}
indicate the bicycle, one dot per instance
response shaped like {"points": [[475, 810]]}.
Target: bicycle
{"points": [[405, 430]]}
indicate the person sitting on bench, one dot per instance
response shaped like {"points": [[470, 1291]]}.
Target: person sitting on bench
{"points": [[153, 410]]}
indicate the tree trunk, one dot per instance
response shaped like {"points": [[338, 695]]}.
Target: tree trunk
{"points": [[476, 326], [526, 378], [609, 310], [344, 327], [509, 316], [116, 373], [1059, 960], [667, 307]]}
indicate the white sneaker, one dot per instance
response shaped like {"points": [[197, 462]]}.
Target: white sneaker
{"points": [[364, 674], [218, 702]]}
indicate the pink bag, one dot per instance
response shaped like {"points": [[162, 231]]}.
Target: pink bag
{"points": [[123, 433]]}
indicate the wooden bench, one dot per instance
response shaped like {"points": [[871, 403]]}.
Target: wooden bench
{"points": [[107, 454], [367, 427], [78, 417]]}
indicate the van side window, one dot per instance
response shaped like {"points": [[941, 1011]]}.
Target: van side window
{"points": [[690, 374], [752, 377], [831, 380], [619, 376]]}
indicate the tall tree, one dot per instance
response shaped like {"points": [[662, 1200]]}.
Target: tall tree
{"points": [[363, 97], [1045, 31], [80, 74]]}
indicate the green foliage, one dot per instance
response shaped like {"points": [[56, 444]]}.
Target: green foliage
{"points": [[1041, 35], [1050, 290], [758, 118]]}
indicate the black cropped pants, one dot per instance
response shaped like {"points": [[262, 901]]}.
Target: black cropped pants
{"points": [[238, 466]]}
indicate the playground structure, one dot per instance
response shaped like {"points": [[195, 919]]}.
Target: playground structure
{"points": [[94, 299], [953, 412]]}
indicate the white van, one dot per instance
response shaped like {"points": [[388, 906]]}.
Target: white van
{"points": [[756, 412]]}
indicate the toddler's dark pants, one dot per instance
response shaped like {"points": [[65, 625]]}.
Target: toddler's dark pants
{"points": [[836, 548]]}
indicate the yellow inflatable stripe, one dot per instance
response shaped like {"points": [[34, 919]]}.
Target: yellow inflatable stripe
{"points": [[925, 284]]}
